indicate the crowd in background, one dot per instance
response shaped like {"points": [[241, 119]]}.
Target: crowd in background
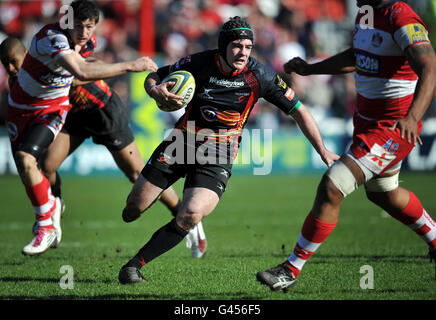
{"points": [[311, 29]]}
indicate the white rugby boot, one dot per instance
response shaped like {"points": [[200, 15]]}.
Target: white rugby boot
{"points": [[43, 240], [56, 220], [196, 241]]}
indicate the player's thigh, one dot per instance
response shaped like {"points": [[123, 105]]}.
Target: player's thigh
{"points": [[129, 160], [29, 152]]}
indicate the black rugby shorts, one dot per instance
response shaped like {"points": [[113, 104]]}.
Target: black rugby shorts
{"points": [[108, 126], [163, 171]]}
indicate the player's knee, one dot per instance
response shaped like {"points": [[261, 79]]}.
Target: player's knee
{"points": [[190, 216], [25, 161], [131, 211], [328, 192], [340, 179], [135, 204], [188, 220]]}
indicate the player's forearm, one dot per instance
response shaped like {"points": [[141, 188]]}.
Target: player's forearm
{"points": [[90, 71], [343, 62], [78, 82], [310, 129]]}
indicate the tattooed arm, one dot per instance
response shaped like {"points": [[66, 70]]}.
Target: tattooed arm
{"points": [[422, 59]]}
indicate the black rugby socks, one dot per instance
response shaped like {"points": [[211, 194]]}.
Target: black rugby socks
{"points": [[161, 241]]}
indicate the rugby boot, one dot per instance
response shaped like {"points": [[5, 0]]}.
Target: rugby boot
{"points": [[43, 240], [130, 275], [196, 241], [277, 278], [56, 220]]}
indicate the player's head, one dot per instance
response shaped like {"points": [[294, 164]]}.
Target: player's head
{"points": [[12, 54], [86, 16], [372, 3], [235, 42]]}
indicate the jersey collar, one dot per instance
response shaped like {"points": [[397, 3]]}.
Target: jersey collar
{"points": [[230, 73]]}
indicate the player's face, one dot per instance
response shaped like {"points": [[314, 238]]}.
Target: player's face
{"points": [[238, 52], [372, 3], [13, 61], [82, 31]]}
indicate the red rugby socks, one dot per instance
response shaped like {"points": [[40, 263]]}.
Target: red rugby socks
{"points": [[43, 202], [416, 218], [312, 235]]}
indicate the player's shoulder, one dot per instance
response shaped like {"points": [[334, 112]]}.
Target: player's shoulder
{"points": [[50, 30], [401, 8], [262, 71], [400, 13], [49, 39], [193, 61]]}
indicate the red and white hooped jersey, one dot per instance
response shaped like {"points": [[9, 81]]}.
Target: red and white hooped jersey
{"points": [[41, 82], [385, 82]]}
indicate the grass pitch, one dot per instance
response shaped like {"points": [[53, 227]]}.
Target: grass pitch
{"points": [[254, 227]]}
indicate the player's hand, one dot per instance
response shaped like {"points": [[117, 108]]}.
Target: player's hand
{"points": [[298, 66], [408, 129], [163, 97], [143, 64], [329, 157]]}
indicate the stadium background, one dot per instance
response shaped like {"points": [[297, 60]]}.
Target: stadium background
{"points": [[168, 30]]}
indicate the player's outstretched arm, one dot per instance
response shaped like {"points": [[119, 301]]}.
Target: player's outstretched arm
{"points": [[422, 59], [343, 62], [310, 129], [159, 92], [84, 70]]}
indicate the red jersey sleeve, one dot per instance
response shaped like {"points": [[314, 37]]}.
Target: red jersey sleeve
{"points": [[408, 27]]}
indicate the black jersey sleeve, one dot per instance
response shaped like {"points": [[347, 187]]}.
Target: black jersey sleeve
{"points": [[182, 64], [276, 91]]}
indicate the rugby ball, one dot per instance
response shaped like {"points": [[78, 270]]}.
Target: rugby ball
{"points": [[184, 86]]}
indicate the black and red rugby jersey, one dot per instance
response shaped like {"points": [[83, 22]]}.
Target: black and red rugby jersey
{"points": [[93, 95], [223, 101]]}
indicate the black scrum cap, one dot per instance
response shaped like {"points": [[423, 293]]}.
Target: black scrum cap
{"points": [[235, 28]]}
